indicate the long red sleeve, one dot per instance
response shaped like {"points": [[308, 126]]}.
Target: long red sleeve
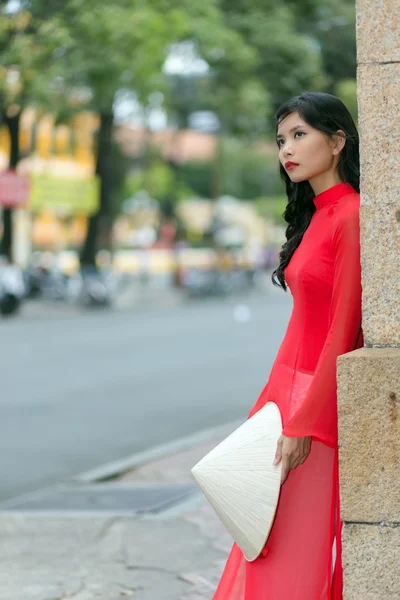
{"points": [[317, 416]]}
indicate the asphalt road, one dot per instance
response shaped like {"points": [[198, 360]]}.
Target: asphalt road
{"points": [[81, 390]]}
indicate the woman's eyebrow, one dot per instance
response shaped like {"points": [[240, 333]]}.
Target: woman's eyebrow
{"points": [[290, 131]]}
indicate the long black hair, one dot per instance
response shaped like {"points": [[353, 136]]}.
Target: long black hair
{"points": [[327, 114]]}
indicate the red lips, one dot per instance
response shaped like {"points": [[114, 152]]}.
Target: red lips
{"points": [[290, 165]]}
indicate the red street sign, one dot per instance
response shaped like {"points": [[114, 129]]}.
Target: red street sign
{"points": [[14, 189]]}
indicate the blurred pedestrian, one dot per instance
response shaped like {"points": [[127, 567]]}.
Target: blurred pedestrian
{"points": [[318, 150]]}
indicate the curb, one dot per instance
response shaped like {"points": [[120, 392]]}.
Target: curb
{"points": [[115, 468]]}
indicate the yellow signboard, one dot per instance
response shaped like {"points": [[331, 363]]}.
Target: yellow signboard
{"points": [[64, 196]]}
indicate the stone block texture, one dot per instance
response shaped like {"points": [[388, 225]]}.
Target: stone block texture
{"points": [[379, 121], [371, 557], [378, 30], [369, 435]]}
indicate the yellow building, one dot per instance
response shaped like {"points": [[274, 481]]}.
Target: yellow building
{"points": [[60, 162]]}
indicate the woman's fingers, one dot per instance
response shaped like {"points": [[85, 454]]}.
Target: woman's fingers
{"points": [[285, 467], [299, 459], [292, 452], [295, 463], [306, 449], [278, 453], [303, 458]]}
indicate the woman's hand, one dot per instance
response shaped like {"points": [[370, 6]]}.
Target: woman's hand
{"points": [[292, 451]]}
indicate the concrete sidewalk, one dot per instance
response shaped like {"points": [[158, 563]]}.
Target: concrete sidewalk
{"points": [[176, 554]]}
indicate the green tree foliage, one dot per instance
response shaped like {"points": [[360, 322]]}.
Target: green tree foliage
{"points": [[296, 45], [249, 174], [331, 25], [346, 90], [245, 173], [159, 181], [287, 61]]}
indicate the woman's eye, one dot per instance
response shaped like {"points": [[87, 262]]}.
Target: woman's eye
{"points": [[301, 133], [279, 142]]}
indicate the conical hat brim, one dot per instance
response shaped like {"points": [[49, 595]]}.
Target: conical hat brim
{"points": [[241, 483]]}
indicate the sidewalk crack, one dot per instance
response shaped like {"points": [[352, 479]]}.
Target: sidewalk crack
{"points": [[105, 529], [151, 568], [66, 596]]}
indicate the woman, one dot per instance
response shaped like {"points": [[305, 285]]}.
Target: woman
{"points": [[320, 262]]}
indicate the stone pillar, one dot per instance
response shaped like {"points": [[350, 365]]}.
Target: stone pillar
{"points": [[369, 379]]}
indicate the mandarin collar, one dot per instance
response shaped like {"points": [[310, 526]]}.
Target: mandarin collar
{"points": [[332, 195]]}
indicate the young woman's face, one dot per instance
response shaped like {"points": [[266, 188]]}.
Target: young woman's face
{"points": [[304, 152]]}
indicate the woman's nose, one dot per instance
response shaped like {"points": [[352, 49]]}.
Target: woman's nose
{"points": [[287, 150]]}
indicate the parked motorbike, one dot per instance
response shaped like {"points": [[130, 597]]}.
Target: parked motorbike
{"points": [[12, 288], [91, 288]]}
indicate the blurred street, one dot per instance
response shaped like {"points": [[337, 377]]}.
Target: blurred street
{"points": [[84, 389]]}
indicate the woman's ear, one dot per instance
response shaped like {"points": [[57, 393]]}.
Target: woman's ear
{"points": [[339, 141]]}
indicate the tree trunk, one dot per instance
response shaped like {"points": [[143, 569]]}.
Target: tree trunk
{"points": [[99, 226], [12, 123], [218, 168]]}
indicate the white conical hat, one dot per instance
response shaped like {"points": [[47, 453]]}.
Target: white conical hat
{"points": [[241, 483]]}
